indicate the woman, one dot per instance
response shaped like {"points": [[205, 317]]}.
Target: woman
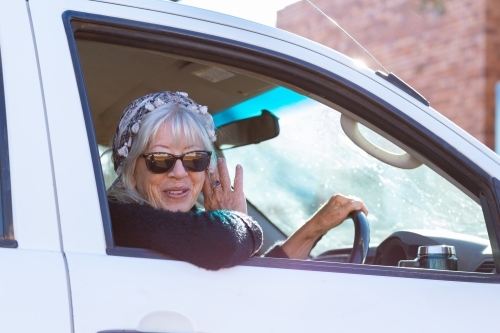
{"points": [[164, 157]]}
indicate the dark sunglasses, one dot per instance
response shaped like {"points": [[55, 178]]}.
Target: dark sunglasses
{"points": [[196, 161]]}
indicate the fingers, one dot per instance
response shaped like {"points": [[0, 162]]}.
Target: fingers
{"points": [[224, 178], [364, 210], [356, 205], [335, 211], [238, 179], [350, 203], [207, 186], [214, 178], [222, 174]]}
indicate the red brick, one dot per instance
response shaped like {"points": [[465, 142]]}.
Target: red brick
{"points": [[452, 59]]}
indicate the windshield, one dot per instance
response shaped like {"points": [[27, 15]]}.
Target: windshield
{"points": [[288, 178]]}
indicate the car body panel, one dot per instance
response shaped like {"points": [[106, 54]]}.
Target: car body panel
{"points": [[61, 273], [250, 299], [28, 139], [34, 291], [33, 281], [80, 215]]}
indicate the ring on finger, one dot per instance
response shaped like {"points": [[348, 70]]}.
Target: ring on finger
{"points": [[217, 184]]}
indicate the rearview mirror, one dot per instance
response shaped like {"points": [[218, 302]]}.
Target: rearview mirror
{"points": [[248, 131]]}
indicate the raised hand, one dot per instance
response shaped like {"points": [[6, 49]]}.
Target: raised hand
{"points": [[217, 189]]}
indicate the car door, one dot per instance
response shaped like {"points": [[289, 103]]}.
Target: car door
{"points": [[115, 289], [33, 277]]}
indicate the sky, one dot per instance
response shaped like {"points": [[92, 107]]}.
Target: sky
{"points": [[261, 11]]}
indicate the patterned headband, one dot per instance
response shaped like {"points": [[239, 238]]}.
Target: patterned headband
{"points": [[131, 118]]}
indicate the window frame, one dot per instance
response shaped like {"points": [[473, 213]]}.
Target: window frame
{"points": [[305, 76], [6, 223]]}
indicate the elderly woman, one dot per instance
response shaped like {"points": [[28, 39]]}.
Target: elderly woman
{"points": [[164, 157]]}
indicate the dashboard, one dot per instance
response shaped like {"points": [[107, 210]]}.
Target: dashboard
{"points": [[473, 253]]}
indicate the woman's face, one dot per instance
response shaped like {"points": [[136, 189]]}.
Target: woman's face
{"points": [[176, 190]]}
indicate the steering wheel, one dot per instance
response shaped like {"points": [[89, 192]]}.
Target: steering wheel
{"points": [[361, 238], [361, 243]]}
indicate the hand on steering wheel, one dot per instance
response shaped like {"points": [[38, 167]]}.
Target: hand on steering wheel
{"points": [[333, 213]]}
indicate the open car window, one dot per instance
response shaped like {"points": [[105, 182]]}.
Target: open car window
{"points": [[288, 177]]}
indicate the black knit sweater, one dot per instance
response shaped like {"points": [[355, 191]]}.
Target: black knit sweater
{"points": [[208, 239]]}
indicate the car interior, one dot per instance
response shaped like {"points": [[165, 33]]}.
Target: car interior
{"points": [[282, 138]]}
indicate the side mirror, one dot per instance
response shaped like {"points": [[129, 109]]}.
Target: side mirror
{"points": [[248, 131]]}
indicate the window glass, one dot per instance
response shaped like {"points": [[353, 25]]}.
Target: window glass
{"points": [[288, 178]]}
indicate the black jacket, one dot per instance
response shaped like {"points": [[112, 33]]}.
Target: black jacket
{"points": [[208, 239]]}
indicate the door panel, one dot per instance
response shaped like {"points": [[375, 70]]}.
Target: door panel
{"points": [[117, 293], [34, 285]]}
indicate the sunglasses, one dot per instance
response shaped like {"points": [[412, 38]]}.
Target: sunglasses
{"points": [[196, 161]]}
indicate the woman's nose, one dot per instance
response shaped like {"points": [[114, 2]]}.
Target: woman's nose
{"points": [[178, 170]]}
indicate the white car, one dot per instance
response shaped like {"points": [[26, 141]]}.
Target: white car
{"points": [[68, 69]]}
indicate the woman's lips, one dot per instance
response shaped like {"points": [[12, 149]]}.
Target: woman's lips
{"points": [[176, 193]]}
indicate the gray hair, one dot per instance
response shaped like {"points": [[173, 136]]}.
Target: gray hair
{"points": [[186, 126]]}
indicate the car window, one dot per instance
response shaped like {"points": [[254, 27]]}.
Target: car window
{"points": [[289, 177], [6, 227]]}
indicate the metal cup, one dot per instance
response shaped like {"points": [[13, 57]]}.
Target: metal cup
{"points": [[433, 257]]}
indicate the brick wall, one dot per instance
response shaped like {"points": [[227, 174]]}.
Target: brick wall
{"points": [[492, 69], [452, 59]]}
